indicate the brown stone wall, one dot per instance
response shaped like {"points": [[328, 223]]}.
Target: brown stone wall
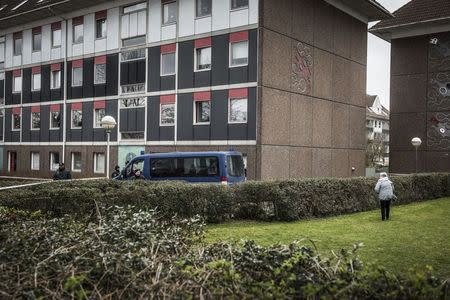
{"points": [[420, 103], [311, 119]]}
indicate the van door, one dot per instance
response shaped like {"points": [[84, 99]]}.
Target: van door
{"points": [[235, 169], [136, 164]]}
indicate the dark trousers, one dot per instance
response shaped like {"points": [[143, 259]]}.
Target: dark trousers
{"points": [[385, 209]]}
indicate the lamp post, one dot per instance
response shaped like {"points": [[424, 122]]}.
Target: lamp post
{"points": [[416, 142], [108, 123]]}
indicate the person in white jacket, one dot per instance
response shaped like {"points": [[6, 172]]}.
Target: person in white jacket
{"points": [[385, 190]]}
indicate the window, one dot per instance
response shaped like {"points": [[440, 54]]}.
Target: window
{"points": [[132, 102], [35, 120], [167, 64], [55, 120], [169, 12], [37, 37], [100, 24], [132, 135], [100, 73], [54, 160], [167, 114], [235, 166], [56, 34], [99, 163], [76, 161], [184, 167], [135, 7], [77, 24], [202, 112], [12, 161], [237, 110], [18, 43], [203, 8], [99, 113], [35, 157], [77, 119], [55, 79], [237, 4], [77, 76], [135, 17], [16, 121], [2, 51], [36, 82], [132, 55], [135, 165], [17, 88], [239, 53], [203, 59]]}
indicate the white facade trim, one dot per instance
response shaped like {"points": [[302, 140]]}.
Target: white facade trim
{"points": [[139, 143]]}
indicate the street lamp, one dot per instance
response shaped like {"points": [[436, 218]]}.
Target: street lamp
{"points": [[416, 142], [108, 123]]}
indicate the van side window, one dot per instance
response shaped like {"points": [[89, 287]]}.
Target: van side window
{"points": [[235, 166], [136, 164], [184, 167]]}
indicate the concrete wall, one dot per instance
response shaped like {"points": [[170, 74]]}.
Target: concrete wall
{"points": [[420, 103], [311, 119]]}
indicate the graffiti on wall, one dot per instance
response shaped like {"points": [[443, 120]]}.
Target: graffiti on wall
{"points": [[439, 52], [439, 91], [301, 70], [438, 133]]}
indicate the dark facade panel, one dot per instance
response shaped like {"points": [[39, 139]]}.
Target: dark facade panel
{"points": [[154, 72], [45, 93], [2, 89], [202, 132], [237, 131], [88, 77], [185, 109], [220, 60], [186, 65], [72, 135], [167, 83], [26, 86], [112, 73], [8, 88], [45, 125], [238, 75], [251, 117], [16, 98], [219, 119], [88, 121], [167, 133], [132, 72], [252, 55], [153, 119], [26, 124], [132, 119], [202, 79]]}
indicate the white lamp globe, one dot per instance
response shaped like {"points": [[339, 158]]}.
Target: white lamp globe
{"points": [[416, 142], [108, 122]]}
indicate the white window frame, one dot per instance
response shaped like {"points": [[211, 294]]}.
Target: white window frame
{"points": [[73, 77], [33, 88], [71, 119], [14, 85], [196, 10], [174, 114], [196, 69], [175, 64], [231, 54], [238, 8], [50, 125], [53, 38], [12, 124], [106, 29], [95, 74], [82, 34], [195, 113], [14, 46], [95, 117], [33, 161], [73, 162], [31, 120], [95, 163], [32, 42], [229, 111], [52, 87], [162, 13], [52, 161]]}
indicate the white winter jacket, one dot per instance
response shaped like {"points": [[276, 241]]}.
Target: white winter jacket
{"points": [[385, 189]]}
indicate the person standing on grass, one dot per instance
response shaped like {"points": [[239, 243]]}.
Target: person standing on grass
{"points": [[385, 190]]}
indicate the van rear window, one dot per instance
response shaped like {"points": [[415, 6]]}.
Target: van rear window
{"points": [[184, 167], [235, 166]]}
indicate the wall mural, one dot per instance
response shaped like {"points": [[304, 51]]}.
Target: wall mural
{"points": [[439, 91], [301, 70], [438, 133], [439, 52]]}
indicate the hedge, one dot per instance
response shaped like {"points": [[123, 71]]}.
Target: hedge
{"points": [[281, 200]]}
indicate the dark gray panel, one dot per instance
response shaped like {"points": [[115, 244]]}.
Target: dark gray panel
{"points": [[220, 57], [132, 72], [140, 119], [45, 124], [69, 80], [77, 92], [123, 120], [88, 121], [154, 61], [186, 65], [26, 124], [202, 79], [237, 131], [166, 133], [219, 115], [88, 77], [131, 120], [112, 73], [124, 77], [35, 97], [238, 75], [16, 99], [184, 117], [167, 83], [202, 132], [99, 134], [35, 136], [140, 71], [99, 90], [8, 88], [153, 119], [251, 119], [26, 85], [1, 128], [45, 93], [2, 88], [253, 55]]}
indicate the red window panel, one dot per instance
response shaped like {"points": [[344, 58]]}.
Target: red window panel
{"points": [[167, 99], [37, 30], [202, 96], [77, 106], [77, 63], [16, 110], [35, 109], [77, 20], [238, 36], [101, 14], [36, 70], [238, 93], [17, 73], [201, 43], [100, 104], [55, 107], [169, 48], [56, 25], [100, 60], [17, 35], [55, 67]]}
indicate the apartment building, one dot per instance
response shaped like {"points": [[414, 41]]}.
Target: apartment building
{"points": [[377, 124], [283, 82]]}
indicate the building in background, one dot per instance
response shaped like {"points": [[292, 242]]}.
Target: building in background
{"points": [[377, 125], [281, 81], [420, 84]]}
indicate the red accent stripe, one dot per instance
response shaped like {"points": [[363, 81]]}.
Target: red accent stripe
{"points": [[238, 93], [100, 104], [200, 43], [17, 73], [101, 14], [35, 109], [100, 60], [77, 106], [55, 67], [16, 110], [56, 25], [36, 30], [55, 107], [201, 96], [36, 70], [239, 36], [169, 48], [17, 35], [77, 63], [167, 99], [78, 20]]}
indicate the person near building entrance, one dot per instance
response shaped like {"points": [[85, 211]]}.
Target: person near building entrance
{"points": [[116, 172], [385, 190], [62, 173], [138, 175]]}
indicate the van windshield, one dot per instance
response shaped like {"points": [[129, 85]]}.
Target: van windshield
{"points": [[235, 166], [184, 167]]}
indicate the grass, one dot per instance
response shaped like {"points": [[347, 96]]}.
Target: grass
{"points": [[417, 234]]}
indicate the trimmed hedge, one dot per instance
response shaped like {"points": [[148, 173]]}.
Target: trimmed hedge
{"points": [[282, 200]]}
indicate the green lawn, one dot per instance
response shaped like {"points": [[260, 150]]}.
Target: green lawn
{"points": [[418, 233]]}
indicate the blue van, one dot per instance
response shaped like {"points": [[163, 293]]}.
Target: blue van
{"points": [[214, 167]]}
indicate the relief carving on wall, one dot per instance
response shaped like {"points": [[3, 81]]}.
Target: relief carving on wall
{"points": [[439, 91], [301, 69], [438, 133], [439, 52]]}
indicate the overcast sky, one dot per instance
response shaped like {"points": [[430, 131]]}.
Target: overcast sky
{"points": [[379, 59]]}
